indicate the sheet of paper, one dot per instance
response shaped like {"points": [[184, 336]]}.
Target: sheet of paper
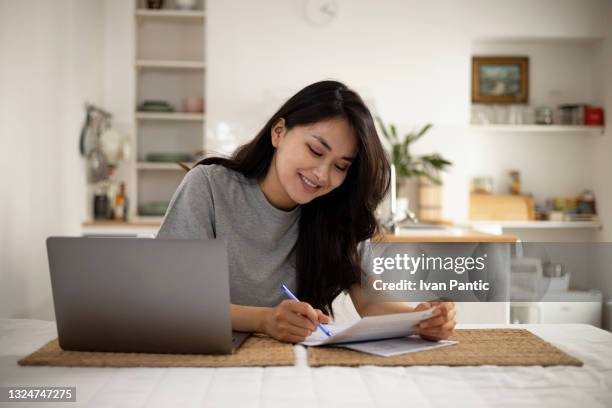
{"points": [[394, 347], [370, 328]]}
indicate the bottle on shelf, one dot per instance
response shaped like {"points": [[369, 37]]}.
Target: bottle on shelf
{"points": [[515, 182], [121, 206], [102, 203]]}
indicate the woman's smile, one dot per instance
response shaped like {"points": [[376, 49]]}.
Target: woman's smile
{"points": [[308, 185]]}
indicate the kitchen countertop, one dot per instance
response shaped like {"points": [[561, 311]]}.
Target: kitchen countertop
{"points": [[144, 226]]}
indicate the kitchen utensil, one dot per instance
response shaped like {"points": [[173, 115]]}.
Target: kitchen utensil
{"points": [[111, 143]]}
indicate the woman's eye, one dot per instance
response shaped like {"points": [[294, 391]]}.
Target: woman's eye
{"points": [[313, 151], [342, 168]]}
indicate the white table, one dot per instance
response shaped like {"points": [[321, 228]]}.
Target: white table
{"points": [[329, 387]]}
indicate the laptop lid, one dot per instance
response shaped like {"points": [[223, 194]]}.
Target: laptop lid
{"points": [[141, 295]]}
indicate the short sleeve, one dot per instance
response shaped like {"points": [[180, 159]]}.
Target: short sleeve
{"points": [[364, 248], [190, 214]]}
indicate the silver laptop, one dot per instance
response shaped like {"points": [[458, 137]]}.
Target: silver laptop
{"points": [[142, 295]]}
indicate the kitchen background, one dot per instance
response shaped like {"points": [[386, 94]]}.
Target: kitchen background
{"points": [[411, 60]]}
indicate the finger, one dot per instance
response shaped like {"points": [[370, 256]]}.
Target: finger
{"points": [[440, 332], [422, 306], [299, 331], [449, 326], [323, 318], [300, 321], [305, 309], [432, 322], [291, 329], [290, 338]]}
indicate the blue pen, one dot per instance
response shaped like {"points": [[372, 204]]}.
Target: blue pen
{"points": [[292, 297]]}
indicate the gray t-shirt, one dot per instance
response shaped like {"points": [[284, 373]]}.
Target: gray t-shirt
{"points": [[215, 202]]}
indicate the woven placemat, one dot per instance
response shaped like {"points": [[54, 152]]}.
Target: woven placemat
{"points": [[255, 351], [501, 347]]}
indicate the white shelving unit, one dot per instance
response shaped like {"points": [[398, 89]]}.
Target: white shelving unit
{"points": [[169, 65]]}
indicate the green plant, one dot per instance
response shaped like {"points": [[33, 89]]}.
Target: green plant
{"points": [[407, 165]]}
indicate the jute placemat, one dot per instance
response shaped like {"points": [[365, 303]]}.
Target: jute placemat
{"points": [[501, 347], [255, 351]]}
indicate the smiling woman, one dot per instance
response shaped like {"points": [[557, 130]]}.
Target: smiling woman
{"points": [[294, 205]]}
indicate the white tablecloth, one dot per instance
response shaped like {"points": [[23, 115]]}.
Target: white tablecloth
{"points": [[328, 387]]}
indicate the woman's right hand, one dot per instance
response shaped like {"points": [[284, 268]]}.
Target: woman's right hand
{"points": [[292, 321]]}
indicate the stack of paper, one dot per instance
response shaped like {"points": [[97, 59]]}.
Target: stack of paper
{"points": [[384, 335]]}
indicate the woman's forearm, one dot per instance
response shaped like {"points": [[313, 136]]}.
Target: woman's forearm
{"points": [[248, 318]]}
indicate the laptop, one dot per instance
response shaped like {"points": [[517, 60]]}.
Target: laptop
{"points": [[142, 295]]}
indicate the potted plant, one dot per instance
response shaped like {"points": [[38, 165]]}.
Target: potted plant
{"points": [[424, 168]]}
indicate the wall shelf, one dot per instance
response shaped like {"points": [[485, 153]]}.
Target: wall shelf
{"points": [[178, 116], [170, 14], [540, 129], [163, 166], [535, 224], [169, 64]]}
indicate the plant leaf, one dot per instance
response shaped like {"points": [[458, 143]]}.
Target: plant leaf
{"points": [[394, 133], [381, 124]]}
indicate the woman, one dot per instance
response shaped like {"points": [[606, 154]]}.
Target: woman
{"points": [[293, 205]]}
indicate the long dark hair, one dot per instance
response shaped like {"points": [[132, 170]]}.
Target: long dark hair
{"points": [[330, 226]]}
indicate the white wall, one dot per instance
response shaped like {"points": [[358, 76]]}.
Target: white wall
{"points": [[51, 63], [410, 60]]}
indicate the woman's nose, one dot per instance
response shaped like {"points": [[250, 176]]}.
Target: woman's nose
{"points": [[322, 174]]}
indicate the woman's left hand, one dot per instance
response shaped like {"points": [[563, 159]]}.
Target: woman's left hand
{"points": [[441, 325]]}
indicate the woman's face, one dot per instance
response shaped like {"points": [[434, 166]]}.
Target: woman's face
{"points": [[313, 160]]}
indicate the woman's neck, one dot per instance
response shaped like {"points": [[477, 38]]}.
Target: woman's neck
{"points": [[273, 190]]}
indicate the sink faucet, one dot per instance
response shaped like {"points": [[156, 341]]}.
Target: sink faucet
{"points": [[394, 220]]}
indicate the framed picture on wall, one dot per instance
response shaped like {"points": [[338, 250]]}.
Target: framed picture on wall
{"points": [[500, 79]]}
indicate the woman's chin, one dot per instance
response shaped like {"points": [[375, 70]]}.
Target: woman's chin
{"points": [[302, 198]]}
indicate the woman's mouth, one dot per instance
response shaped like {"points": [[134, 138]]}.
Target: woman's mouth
{"points": [[308, 185]]}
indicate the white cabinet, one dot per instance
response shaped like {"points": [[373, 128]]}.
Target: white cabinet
{"points": [[580, 307]]}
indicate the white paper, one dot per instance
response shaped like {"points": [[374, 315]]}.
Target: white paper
{"points": [[394, 347], [370, 328]]}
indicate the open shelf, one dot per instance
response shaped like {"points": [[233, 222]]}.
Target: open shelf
{"points": [[178, 116], [534, 224], [170, 64], [163, 166], [540, 129], [170, 14]]}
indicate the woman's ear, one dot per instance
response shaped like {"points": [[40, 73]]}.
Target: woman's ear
{"points": [[278, 131]]}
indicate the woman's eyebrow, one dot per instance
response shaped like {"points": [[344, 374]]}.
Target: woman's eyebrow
{"points": [[328, 147]]}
